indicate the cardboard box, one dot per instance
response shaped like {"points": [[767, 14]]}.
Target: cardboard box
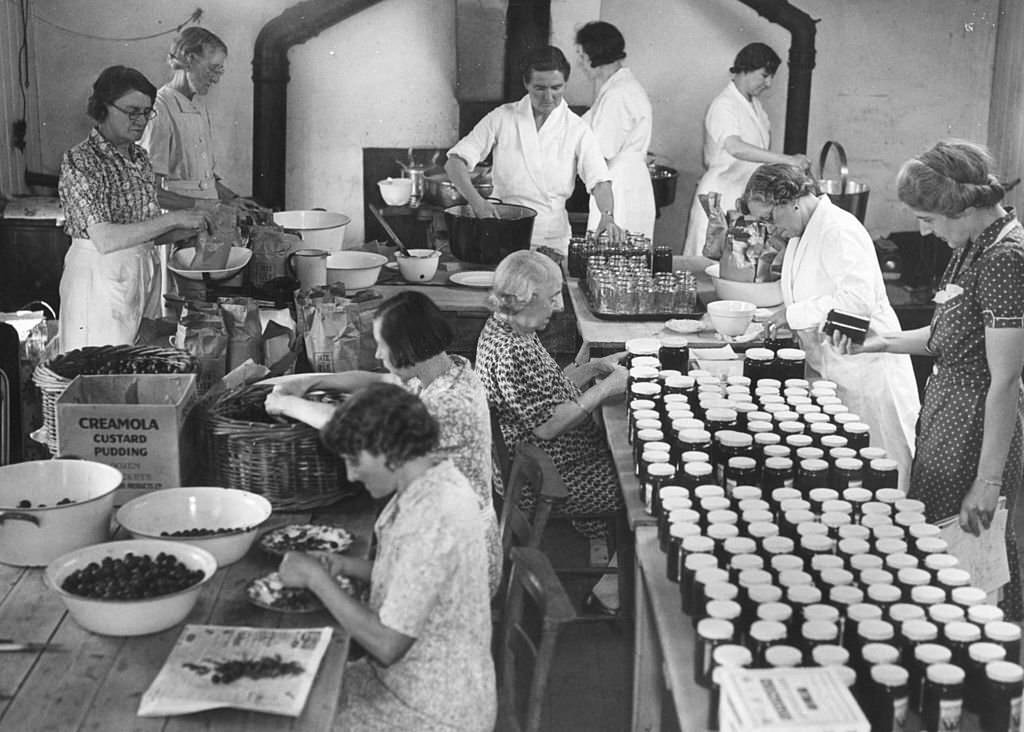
{"points": [[788, 700], [137, 423]]}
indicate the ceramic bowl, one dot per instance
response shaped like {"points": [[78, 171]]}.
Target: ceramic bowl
{"points": [[194, 508], [762, 294], [355, 270], [731, 317], [130, 617], [238, 257], [395, 191], [420, 266]]}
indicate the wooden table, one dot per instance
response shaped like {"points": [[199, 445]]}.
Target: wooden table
{"points": [[94, 682], [615, 426]]}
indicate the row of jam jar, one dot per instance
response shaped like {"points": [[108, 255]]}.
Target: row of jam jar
{"points": [[758, 363]]}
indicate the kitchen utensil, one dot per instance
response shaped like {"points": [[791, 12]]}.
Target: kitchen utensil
{"points": [[488, 241], [418, 265], [130, 617], [309, 267], [844, 192], [355, 270], [236, 514], [35, 535], [440, 191], [762, 294], [387, 228], [395, 191], [319, 229], [731, 317], [180, 264]]}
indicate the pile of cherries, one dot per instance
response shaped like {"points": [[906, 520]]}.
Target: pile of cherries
{"points": [[206, 532], [132, 577]]}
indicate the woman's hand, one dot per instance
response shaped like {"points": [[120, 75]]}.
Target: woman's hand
{"points": [[192, 218], [484, 209], [277, 402], [614, 382], [800, 161], [607, 364], [290, 385], [873, 343], [616, 233], [299, 569], [979, 505]]}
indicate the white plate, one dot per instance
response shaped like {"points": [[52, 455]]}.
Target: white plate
{"points": [[391, 265], [305, 538], [472, 279], [684, 325], [270, 593]]}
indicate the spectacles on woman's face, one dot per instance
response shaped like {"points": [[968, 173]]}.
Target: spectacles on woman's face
{"points": [[135, 115]]}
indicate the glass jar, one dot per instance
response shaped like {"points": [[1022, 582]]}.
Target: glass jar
{"points": [[1005, 634], [694, 561], [811, 474], [711, 633], [925, 655], [912, 634], [1004, 689], [723, 657], [677, 533], [764, 634], [675, 353], [790, 363], [758, 363], [943, 697], [979, 655], [888, 698]]}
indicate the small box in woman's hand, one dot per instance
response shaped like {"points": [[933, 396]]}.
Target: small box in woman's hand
{"points": [[853, 326]]}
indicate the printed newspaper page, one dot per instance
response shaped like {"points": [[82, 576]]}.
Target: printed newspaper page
{"points": [[983, 556], [259, 669]]}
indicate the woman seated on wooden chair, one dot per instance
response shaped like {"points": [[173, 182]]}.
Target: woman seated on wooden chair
{"points": [[538, 402], [412, 336], [427, 626]]}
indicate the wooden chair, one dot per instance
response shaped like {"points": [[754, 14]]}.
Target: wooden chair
{"points": [[536, 608]]}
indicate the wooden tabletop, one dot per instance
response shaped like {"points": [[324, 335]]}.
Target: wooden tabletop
{"points": [[615, 427], [94, 682]]}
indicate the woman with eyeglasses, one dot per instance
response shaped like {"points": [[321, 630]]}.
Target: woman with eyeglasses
{"points": [[180, 138], [830, 263], [108, 193], [737, 137]]}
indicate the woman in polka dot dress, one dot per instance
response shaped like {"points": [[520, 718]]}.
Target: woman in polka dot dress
{"points": [[969, 433]]}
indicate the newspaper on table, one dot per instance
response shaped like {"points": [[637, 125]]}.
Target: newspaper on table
{"points": [[202, 670], [983, 556]]}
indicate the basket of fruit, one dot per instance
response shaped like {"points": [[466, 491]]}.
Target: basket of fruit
{"points": [[53, 375], [278, 458]]}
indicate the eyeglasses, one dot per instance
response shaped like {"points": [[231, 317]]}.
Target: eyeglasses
{"points": [[136, 114]]}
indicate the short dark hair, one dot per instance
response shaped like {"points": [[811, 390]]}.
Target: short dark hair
{"points": [[545, 58], [382, 419], [413, 328], [113, 83], [602, 42], [754, 56]]}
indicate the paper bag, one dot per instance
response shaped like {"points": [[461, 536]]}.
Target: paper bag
{"points": [[245, 333], [270, 248], [337, 331], [203, 333], [714, 241]]}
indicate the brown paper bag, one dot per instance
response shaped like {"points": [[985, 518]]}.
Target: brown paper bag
{"points": [[337, 331], [270, 248], [714, 241], [203, 333], [245, 332]]}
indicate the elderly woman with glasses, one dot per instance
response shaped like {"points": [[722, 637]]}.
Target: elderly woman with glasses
{"points": [[180, 139], [108, 193], [427, 623], [539, 403], [830, 263]]}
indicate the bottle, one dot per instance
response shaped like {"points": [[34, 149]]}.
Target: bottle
{"points": [[758, 364], [888, 698], [1004, 690], [943, 697]]}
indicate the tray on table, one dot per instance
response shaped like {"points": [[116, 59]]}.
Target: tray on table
{"points": [[697, 313]]}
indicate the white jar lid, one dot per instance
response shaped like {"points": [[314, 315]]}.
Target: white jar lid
{"points": [[875, 630], [1004, 672], [874, 653], [984, 652], [820, 630], [919, 630], [889, 674], [778, 611], [732, 654], [723, 609], [830, 654], [961, 631], [901, 612], [767, 630], [783, 656], [803, 594], [932, 653], [1002, 631], [764, 593], [945, 673]]}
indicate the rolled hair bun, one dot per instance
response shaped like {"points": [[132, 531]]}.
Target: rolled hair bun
{"points": [[951, 177]]}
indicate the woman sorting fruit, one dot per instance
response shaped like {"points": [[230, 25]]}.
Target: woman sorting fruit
{"points": [[108, 193], [427, 625], [412, 336], [830, 263]]}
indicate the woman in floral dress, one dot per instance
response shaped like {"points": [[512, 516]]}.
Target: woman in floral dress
{"points": [[969, 433], [538, 402], [412, 336]]}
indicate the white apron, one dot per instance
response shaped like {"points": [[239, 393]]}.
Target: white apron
{"points": [[730, 114], [103, 297], [834, 265], [536, 168], [621, 118]]}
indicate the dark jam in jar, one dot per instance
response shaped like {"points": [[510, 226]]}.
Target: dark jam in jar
{"points": [[943, 697], [1004, 689], [811, 474], [758, 363], [790, 363], [675, 354]]}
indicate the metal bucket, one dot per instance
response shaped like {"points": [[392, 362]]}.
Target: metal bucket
{"points": [[846, 193]]}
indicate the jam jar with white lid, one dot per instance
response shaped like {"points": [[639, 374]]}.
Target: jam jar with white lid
{"points": [[831, 442], [837, 453], [814, 633], [855, 531], [702, 578], [790, 363], [982, 614], [811, 474], [888, 697], [855, 615], [908, 578], [912, 634], [727, 444], [959, 635], [659, 475], [764, 634], [711, 633], [783, 656], [1004, 688], [778, 546], [693, 562], [677, 533], [966, 597], [1005, 634], [809, 453], [901, 612], [944, 613], [935, 563], [695, 475], [951, 578], [819, 430], [777, 472], [724, 657], [883, 595], [739, 561], [925, 655], [943, 695], [830, 654], [927, 596], [979, 655], [758, 364]]}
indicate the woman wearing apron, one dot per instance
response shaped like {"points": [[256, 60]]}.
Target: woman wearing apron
{"points": [[737, 135], [539, 146], [621, 119], [969, 434], [830, 262], [108, 193]]}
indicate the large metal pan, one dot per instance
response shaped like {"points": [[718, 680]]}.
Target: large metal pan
{"points": [[488, 241]]}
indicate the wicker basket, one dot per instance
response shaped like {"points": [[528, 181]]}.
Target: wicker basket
{"points": [[53, 375], [281, 460]]}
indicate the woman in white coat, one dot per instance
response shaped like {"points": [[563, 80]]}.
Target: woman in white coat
{"points": [[830, 262], [621, 119], [737, 135], [539, 147]]}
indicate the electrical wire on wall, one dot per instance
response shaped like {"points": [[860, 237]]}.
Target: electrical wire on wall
{"points": [[193, 18], [20, 126]]}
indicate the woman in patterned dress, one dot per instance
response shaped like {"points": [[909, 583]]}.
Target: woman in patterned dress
{"points": [[427, 625], [969, 432], [108, 193], [538, 402], [412, 336]]}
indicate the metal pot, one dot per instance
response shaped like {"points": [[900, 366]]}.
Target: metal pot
{"points": [[440, 191], [36, 535], [488, 241]]}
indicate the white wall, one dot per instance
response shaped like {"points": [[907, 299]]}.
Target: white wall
{"points": [[891, 78], [382, 78]]}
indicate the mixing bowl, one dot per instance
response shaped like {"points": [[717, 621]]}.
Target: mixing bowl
{"points": [[419, 266], [71, 502], [239, 514], [355, 270], [731, 317], [395, 191], [762, 294], [130, 617], [180, 262]]}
